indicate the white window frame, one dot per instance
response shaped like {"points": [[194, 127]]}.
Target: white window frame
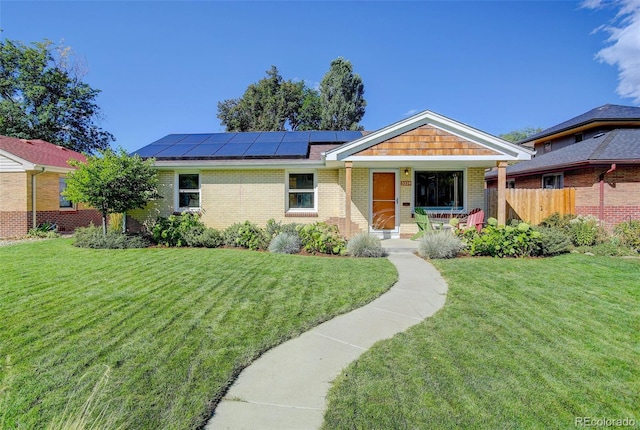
{"points": [[176, 203], [73, 206], [558, 182], [288, 191]]}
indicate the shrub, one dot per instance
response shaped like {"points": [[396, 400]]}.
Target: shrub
{"points": [[365, 245], [586, 231], [171, 231], [552, 241], [116, 222], [46, 229], [92, 237], [506, 241], [557, 221], [629, 234], [206, 238], [274, 228], [440, 244], [321, 237], [245, 235], [285, 243]]}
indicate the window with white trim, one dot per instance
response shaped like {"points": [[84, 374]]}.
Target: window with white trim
{"points": [[555, 181], [188, 191], [301, 191], [439, 190], [64, 203]]}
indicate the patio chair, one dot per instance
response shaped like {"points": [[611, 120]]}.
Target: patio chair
{"points": [[474, 219], [423, 222]]}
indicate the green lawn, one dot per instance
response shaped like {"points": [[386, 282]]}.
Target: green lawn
{"points": [[520, 343], [169, 327]]}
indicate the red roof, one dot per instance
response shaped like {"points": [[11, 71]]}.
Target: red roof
{"points": [[39, 152]]}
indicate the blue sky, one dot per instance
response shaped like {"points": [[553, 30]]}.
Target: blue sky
{"points": [[162, 66]]}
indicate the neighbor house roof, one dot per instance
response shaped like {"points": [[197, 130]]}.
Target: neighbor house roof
{"points": [[37, 153], [614, 146], [604, 114]]}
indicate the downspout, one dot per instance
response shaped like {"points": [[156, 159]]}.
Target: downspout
{"points": [[33, 198], [601, 212]]}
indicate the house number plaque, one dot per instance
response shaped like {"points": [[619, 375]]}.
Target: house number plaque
{"points": [[405, 183]]}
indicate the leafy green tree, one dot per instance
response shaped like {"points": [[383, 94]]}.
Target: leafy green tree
{"points": [[341, 96], [43, 96], [112, 182], [308, 115], [518, 135]]}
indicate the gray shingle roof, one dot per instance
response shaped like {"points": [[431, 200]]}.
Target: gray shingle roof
{"points": [[619, 145], [606, 112]]}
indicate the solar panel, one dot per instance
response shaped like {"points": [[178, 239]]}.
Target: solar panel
{"points": [[296, 136], [262, 149], [348, 135], [220, 138], [170, 139], [195, 138], [323, 136], [270, 136], [232, 150], [204, 150], [149, 150], [293, 148], [244, 138], [176, 151]]}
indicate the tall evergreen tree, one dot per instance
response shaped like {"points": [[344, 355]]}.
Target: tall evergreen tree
{"points": [[341, 97], [42, 96]]}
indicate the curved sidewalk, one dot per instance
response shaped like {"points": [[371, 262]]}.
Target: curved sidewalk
{"points": [[286, 387]]}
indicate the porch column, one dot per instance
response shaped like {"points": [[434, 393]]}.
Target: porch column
{"points": [[347, 206], [502, 192]]}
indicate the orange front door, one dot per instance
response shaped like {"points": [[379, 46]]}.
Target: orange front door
{"points": [[384, 201]]}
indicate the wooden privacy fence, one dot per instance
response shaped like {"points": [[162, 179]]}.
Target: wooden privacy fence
{"points": [[532, 205]]}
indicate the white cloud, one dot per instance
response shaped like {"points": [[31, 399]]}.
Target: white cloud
{"points": [[623, 50], [410, 112]]}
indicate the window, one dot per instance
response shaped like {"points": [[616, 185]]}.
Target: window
{"points": [[301, 191], [511, 183], [188, 191], [578, 137], [439, 190], [64, 203], [555, 181], [547, 147]]}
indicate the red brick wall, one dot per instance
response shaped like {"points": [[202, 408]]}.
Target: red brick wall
{"points": [[13, 224], [17, 224]]}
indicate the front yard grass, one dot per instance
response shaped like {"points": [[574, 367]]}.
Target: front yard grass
{"points": [[520, 343], [170, 328]]}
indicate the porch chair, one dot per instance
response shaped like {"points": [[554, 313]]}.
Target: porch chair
{"points": [[423, 222], [474, 219]]}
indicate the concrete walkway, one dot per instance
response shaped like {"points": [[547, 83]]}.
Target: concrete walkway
{"points": [[286, 387]]}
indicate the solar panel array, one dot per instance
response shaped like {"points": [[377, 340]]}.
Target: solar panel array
{"points": [[267, 144]]}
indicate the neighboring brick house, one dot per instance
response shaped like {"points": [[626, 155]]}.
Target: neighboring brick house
{"points": [[597, 153], [32, 175], [360, 182]]}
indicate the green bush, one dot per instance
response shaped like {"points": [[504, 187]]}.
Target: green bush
{"points": [[46, 229], [629, 234], [557, 221], [285, 243], [440, 244], [274, 228], [171, 231], [586, 231], [552, 241], [206, 238], [322, 238], [365, 245], [92, 237], [245, 235], [506, 241]]}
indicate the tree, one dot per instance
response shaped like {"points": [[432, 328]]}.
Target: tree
{"points": [[112, 182], [341, 96], [267, 105], [42, 96], [516, 136]]}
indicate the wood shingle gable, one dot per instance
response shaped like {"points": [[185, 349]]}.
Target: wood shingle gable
{"points": [[426, 140]]}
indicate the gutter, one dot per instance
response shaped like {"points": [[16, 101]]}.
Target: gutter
{"points": [[33, 198]]}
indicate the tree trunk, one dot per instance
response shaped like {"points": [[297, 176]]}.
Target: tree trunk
{"points": [[104, 224]]}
